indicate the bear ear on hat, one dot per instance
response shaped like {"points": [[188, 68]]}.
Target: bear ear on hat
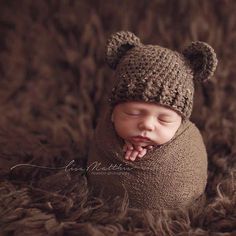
{"points": [[118, 44], [202, 59]]}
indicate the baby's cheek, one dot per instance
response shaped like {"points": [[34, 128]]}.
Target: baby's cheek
{"points": [[122, 129], [169, 134], [164, 136]]}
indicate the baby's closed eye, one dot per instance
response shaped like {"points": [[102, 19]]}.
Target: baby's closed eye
{"points": [[132, 113], [167, 121]]}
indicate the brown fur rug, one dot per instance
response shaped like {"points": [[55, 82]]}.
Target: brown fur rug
{"points": [[53, 84]]}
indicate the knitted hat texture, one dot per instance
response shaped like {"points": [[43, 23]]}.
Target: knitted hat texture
{"points": [[151, 73]]}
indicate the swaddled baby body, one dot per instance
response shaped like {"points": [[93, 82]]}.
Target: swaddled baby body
{"points": [[144, 143]]}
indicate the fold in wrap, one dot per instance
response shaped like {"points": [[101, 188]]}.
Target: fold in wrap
{"points": [[169, 176]]}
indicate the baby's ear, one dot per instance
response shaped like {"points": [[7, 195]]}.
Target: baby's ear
{"points": [[202, 59], [118, 44]]}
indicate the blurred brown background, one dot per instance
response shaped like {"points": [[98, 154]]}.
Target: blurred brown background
{"points": [[54, 80]]}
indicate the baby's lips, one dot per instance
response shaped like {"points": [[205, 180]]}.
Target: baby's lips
{"points": [[140, 139]]}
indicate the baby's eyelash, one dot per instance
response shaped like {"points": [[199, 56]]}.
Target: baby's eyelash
{"points": [[132, 114], [165, 121]]}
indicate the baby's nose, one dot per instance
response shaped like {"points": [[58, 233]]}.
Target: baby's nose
{"points": [[147, 123]]}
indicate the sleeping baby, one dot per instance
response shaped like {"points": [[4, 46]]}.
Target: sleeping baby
{"points": [[144, 143]]}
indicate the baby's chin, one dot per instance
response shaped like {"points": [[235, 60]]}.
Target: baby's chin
{"points": [[148, 143], [143, 144]]}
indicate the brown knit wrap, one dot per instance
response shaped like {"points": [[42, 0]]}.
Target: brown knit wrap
{"points": [[171, 176], [152, 73]]}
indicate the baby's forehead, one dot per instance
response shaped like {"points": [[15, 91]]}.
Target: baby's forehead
{"points": [[145, 106]]}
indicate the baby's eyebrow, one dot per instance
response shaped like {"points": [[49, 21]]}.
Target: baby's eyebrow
{"points": [[165, 114], [132, 108], [137, 109], [146, 111]]}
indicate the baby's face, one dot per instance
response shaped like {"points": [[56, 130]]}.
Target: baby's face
{"points": [[145, 124]]}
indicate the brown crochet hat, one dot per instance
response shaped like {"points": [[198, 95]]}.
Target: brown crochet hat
{"points": [[151, 73]]}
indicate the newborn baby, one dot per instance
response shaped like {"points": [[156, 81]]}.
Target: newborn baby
{"points": [[144, 143]]}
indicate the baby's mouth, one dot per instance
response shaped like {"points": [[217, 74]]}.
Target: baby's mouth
{"points": [[140, 139]]}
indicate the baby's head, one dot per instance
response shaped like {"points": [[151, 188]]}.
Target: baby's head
{"points": [[144, 124], [153, 81]]}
